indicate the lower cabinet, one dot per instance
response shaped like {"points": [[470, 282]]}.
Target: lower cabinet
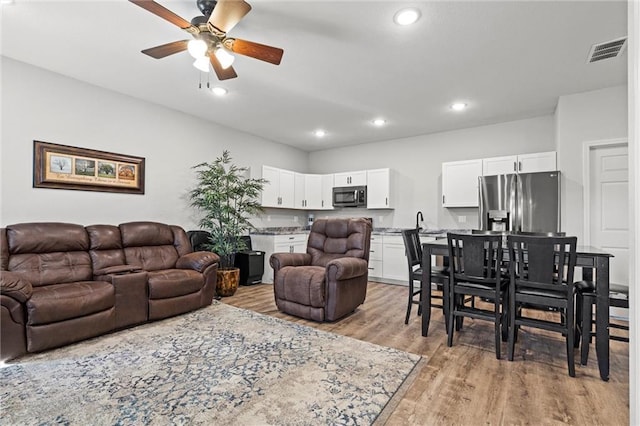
{"points": [[269, 244], [375, 258], [394, 262], [387, 259]]}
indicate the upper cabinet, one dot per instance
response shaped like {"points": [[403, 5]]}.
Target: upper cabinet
{"points": [[525, 163], [358, 178], [460, 178], [326, 201], [279, 191], [460, 183], [287, 189], [379, 189], [313, 192]]}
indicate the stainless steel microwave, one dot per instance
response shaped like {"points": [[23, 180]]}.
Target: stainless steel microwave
{"points": [[350, 196]]}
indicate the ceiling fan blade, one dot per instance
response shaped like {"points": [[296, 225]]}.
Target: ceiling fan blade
{"points": [[227, 14], [162, 12], [255, 50], [222, 73], [164, 50]]}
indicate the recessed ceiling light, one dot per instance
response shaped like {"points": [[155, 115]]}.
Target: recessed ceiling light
{"points": [[219, 91], [320, 133], [406, 16], [458, 106], [379, 122]]}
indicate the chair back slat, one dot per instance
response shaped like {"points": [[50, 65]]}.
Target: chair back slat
{"points": [[475, 257], [412, 246]]}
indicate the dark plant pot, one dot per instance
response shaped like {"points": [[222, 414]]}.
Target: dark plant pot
{"points": [[227, 281]]}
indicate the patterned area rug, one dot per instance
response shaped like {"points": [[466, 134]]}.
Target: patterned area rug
{"points": [[219, 365]]}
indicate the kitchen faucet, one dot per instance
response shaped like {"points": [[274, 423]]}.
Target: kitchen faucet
{"points": [[419, 215]]}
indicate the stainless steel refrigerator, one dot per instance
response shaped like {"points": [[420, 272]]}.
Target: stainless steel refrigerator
{"points": [[528, 202]]}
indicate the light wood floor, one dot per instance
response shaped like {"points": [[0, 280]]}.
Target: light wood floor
{"points": [[466, 384]]}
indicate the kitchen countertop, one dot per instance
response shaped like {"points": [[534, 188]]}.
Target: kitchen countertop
{"points": [[286, 230]]}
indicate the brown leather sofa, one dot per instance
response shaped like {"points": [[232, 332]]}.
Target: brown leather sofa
{"points": [[330, 280], [61, 283]]}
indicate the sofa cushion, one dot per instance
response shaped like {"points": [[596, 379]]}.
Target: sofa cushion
{"points": [[309, 287], [150, 245], [52, 268], [173, 283], [105, 246], [46, 238], [60, 302]]}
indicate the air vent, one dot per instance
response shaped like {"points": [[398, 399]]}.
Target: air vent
{"points": [[606, 50]]}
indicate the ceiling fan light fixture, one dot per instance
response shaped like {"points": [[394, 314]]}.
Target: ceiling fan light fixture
{"points": [[197, 48], [202, 64], [225, 58], [406, 16]]}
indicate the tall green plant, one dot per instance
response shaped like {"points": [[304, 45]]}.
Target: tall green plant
{"points": [[227, 198]]}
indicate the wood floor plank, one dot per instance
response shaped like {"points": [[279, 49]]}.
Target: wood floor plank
{"points": [[466, 384]]}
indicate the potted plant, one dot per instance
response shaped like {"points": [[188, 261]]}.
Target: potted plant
{"points": [[227, 198]]}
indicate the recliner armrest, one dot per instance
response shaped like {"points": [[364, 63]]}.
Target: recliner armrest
{"points": [[15, 287], [345, 268], [198, 261], [280, 260]]}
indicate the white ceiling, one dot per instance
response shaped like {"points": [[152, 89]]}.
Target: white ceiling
{"points": [[345, 62]]}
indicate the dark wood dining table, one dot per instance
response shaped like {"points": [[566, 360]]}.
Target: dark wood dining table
{"points": [[592, 260]]}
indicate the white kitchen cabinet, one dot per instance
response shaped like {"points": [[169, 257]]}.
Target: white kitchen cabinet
{"points": [[269, 244], [538, 162], [279, 191], [394, 261], [460, 183], [375, 257], [379, 183], [313, 192], [358, 178], [524, 163], [326, 199]]}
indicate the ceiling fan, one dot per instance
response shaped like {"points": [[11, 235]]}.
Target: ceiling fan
{"points": [[210, 43]]}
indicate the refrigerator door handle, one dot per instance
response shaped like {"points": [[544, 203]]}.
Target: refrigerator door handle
{"points": [[520, 206]]}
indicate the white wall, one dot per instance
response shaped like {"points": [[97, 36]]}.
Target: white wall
{"points": [[584, 117], [417, 162], [41, 105]]}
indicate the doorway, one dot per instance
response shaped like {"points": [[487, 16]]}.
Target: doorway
{"points": [[607, 205]]}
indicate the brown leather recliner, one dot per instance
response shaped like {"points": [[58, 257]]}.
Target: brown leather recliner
{"points": [[330, 280]]}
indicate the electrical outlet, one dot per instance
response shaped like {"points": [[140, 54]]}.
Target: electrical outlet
{"points": [[462, 219], [380, 218], [295, 219], [268, 218]]}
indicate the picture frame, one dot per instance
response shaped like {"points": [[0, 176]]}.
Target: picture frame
{"points": [[66, 167]]}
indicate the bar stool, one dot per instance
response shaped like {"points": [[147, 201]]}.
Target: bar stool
{"points": [[439, 274]]}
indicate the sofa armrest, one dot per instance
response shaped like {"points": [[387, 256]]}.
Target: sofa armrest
{"points": [[118, 269], [345, 268], [280, 260], [198, 260], [15, 287]]}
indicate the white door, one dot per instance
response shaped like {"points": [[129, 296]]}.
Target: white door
{"points": [[609, 206]]}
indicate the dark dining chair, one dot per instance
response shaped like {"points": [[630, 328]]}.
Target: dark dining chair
{"points": [[475, 270], [541, 275], [586, 300], [439, 274]]}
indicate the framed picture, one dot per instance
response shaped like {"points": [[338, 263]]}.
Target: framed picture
{"points": [[67, 167]]}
